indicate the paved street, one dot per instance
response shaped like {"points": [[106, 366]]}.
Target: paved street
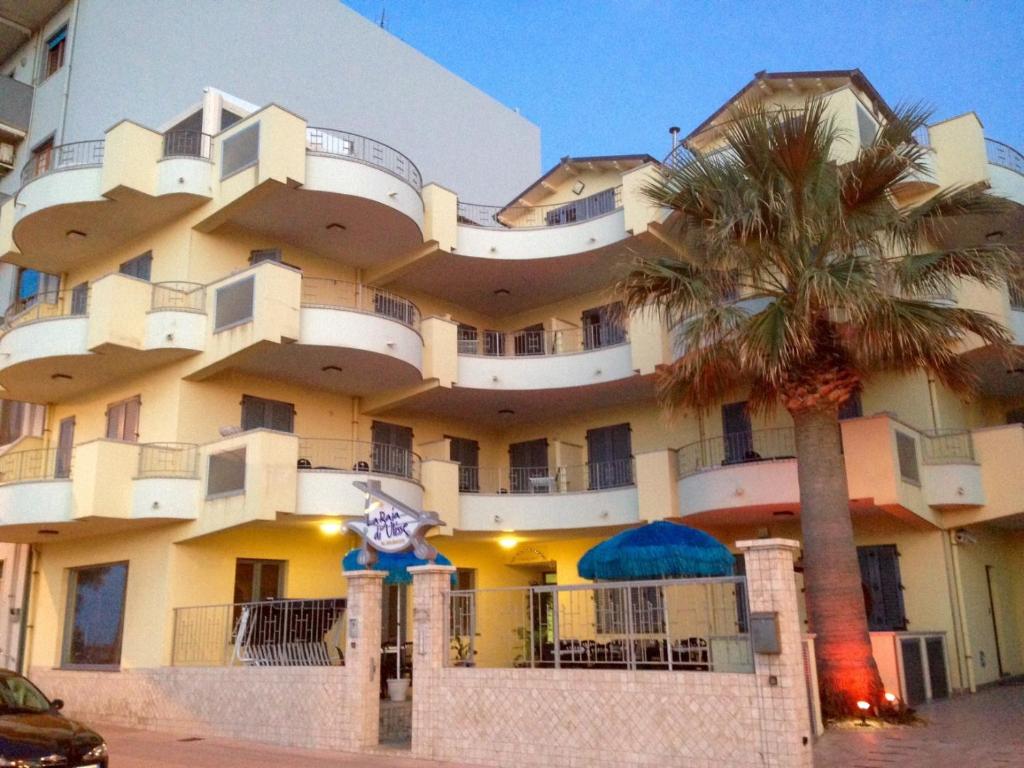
{"points": [[981, 731]]}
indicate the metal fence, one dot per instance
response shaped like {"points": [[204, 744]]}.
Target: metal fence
{"points": [[182, 143], [333, 294], [46, 306], [304, 632], [80, 154], [554, 215], [1004, 155], [595, 476], [736, 448], [352, 146], [168, 460], [35, 464], [189, 297], [534, 343], [672, 624], [358, 456], [946, 446]]}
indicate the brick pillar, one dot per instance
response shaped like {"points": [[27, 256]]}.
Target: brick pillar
{"points": [[431, 592], [782, 687], [362, 657]]}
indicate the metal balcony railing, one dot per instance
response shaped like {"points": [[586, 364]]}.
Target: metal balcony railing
{"points": [[182, 143], [341, 294], [294, 633], [46, 306], [736, 448], [555, 215], [177, 460], [186, 297], [35, 464], [358, 456], [80, 154], [594, 476], [532, 343], [947, 446], [1004, 156], [360, 149]]}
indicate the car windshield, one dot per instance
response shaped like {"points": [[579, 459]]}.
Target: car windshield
{"points": [[19, 695]]}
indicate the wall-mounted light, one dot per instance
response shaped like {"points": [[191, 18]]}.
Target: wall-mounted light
{"points": [[508, 542], [57, 376], [47, 532], [330, 527], [506, 412], [578, 187]]}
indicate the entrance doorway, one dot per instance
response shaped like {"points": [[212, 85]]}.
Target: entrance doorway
{"points": [[395, 664]]}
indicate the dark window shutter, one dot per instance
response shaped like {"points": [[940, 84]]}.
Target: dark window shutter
{"points": [[253, 412], [880, 573], [282, 417]]}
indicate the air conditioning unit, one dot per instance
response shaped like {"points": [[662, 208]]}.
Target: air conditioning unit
{"points": [[6, 156]]}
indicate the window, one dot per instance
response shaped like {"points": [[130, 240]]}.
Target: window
{"points": [[234, 304], [529, 340], [601, 327], [392, 449], [257, 580], [609, 457], [36, 286], [468, 339], [80, 299], [467, 453], [227, 119], [852, 408], [265, 254], [259, 413], [646, 613], [737, 436], [55, 47], [866, 126], [42, 157], [94, 621], [883, 592], [528, 467], [123, 419], [240, 151], [140, 267], [906, 450], [226, 473]]}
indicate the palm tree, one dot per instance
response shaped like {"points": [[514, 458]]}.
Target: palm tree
{"points": [[796, 275]]}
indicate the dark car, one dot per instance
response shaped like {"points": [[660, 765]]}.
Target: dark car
{"points": [[34, 734]]}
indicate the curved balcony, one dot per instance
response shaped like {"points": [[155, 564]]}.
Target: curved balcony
{"points": [[35, 489], [541, 231], [548, 498], [548, 359], [81, 200], [750, 471], [328, 467], [371, 334], [1006, 170], [185, 163]]}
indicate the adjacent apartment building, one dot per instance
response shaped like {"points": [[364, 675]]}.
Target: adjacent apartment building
{"points": [[246, 299]]}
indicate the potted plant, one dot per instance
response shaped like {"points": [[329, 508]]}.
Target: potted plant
{"points": [[463, 651], [398, 688]]}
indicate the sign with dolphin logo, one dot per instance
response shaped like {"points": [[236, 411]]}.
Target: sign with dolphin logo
{"points": [[391, 526]]}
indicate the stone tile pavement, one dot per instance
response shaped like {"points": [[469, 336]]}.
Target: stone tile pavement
{"points": [[985, 730]]}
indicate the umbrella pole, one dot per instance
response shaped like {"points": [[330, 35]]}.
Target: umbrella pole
{"points": [[398, 638]]}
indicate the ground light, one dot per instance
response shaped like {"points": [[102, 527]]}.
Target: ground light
{"points": [[863, 706]]}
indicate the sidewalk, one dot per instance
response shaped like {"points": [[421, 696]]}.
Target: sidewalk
{"points": [[985, 730]]}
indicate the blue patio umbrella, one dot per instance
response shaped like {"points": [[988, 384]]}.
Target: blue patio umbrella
{"points": [[659, 550], [394, 565]]}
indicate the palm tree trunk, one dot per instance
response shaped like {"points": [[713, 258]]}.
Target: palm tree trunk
{"points": [[832, 581]]}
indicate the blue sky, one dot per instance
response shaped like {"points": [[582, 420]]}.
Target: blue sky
{"points": [[610, 76]]}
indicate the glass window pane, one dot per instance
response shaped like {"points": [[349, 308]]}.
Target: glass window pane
{"points": [[97, 615]]}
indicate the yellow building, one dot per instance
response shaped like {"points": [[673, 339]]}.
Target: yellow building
{"points": [[247, 323]]}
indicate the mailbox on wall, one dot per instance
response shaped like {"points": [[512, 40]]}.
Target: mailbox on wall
{"points": [[764, 632]]}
